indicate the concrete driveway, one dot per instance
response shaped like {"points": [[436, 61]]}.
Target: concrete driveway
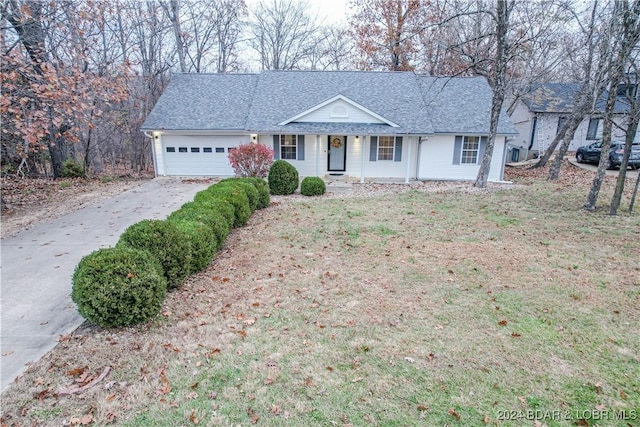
{"points": [[37, 266], [614, 172]]}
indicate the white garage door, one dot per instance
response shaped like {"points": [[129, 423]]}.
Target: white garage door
{"points": [[198, 155]]}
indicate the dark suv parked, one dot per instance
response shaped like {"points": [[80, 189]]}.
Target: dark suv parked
{"points": [[591, 154]]}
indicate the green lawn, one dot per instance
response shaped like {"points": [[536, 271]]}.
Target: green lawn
{"points": [[511, 307]]}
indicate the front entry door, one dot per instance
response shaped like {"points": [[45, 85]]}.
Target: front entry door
{"points": [[337, 153]]}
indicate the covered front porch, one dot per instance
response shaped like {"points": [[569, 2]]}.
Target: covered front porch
{"points": [[345, 156]]}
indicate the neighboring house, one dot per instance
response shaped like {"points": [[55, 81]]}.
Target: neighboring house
{"points": [[539, 115], [358, 124]]}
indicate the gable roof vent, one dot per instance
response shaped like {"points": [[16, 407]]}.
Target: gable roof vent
{"points": [[339, 112]]}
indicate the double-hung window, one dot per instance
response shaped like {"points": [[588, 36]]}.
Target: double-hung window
{"points": [[288, 147], [386, 145], [470, 150]]}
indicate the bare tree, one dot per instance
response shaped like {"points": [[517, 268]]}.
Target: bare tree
{"points": [[630, 83], [386, 32], [591, 74], [283, 34], [626, 30], [486, 45]]}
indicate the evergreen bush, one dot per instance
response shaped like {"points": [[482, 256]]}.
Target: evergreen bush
{"points": [[236, 196], [207, 201], [312, 186], [207, 214], [263, 191], [204, 243], [118, 286], [72, 169], [283, 178], [166, 242], [248, 187]]}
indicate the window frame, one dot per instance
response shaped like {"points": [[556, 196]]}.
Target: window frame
{"points": [[290, 142], [593, 135], [385, 155], [470, 152]]}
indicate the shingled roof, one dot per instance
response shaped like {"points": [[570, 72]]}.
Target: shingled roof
{"points": [[559, 98], [259, 103]]}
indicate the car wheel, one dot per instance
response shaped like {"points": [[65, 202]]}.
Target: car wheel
{"points": [[579, 158], [610, 165]]}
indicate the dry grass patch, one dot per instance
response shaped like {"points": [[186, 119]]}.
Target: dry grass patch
{"points": [[424, 306]]}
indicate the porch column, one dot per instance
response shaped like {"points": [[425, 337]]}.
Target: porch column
{"points": [[317, 155], [363, 144], [408, 172]]}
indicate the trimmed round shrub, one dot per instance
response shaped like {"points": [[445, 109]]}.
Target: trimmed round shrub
{"points": [[283, 178], [312, 186], [263, 191], [166, 242], [208, 202], [237, 196], [118, 286], [204, 213], [250, 189], [204, 243]]}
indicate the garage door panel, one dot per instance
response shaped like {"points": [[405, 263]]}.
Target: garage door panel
{"points": [[199, 155]]}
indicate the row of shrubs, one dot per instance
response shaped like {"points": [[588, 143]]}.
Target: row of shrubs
{"points": [[127, 284]]}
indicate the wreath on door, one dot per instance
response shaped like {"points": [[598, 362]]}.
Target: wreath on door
{"points": [[336, 142]]}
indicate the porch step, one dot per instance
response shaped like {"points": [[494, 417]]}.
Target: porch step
{"points": [[339, 186]]}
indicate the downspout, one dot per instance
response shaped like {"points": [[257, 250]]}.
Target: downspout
{"points": [[153, 152]]}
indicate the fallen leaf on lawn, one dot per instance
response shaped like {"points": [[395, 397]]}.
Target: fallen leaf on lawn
{"points": [[582, 423], [77, 372], [192, 395], [250, 321], [41, 395], [623, 394], [422, 408], [597, 387], [275, 410], [487, 420], [438, 327], [515, 335], [410, 359], [110, 398], [454, 414], [111, 417], [166, 388], [193, 418], [502, 322]]}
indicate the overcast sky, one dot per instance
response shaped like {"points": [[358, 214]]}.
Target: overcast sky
{"points": [[330, 10]]}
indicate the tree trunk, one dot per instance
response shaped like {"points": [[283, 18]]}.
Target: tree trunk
{"points": [[592, 197], [502, 26], [567, 133], [635, 192], [622, 175], [629, 22]]}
